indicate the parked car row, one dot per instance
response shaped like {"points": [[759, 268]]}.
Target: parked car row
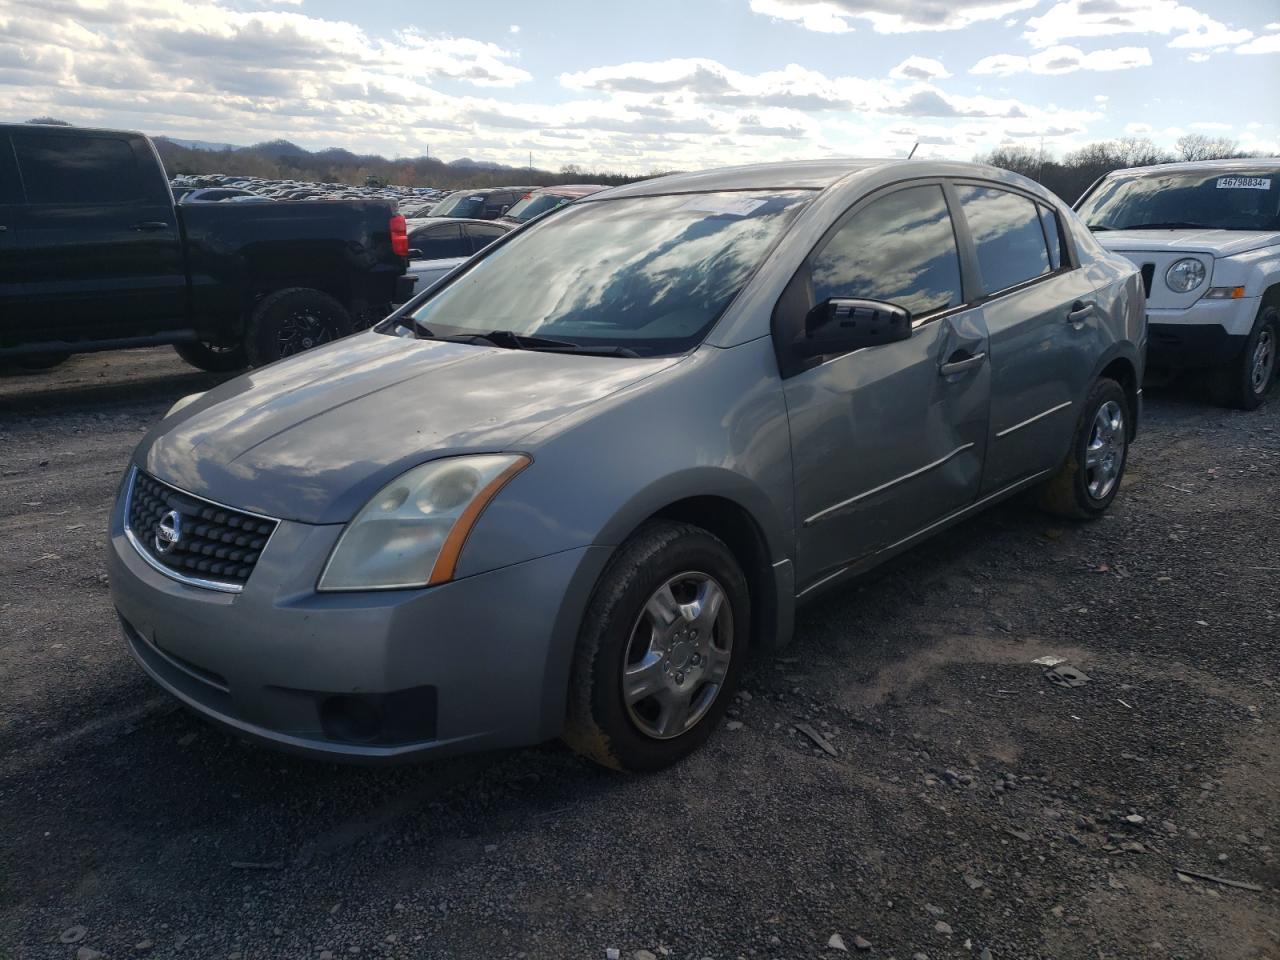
{"points": [[217, 187]]}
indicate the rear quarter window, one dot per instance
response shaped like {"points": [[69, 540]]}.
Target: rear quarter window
{"points": [[1008, 235]]}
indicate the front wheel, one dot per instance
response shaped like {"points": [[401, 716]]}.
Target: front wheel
{"points": [[1089, 479], [660, 649], [1244, 382], [292, 320]]}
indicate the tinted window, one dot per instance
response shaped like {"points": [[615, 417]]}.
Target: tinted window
{"points": [[440, 242], [480, 235], [900, 249], [10, 185], [648, 273], [61, 169], [1006, 230], [1054, 235]]}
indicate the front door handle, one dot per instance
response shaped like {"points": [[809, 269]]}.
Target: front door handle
{"points": [[964, 363], [150, 226], [1081, 311]]}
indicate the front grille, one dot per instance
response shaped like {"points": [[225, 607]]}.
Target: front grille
{"points": [[213, 543], [1148, 274]]}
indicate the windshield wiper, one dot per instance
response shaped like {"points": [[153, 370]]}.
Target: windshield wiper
{"points": [[510, 340], [1170, 225], [1096, 227]]}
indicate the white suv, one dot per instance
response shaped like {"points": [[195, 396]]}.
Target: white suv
{"points": [[1206, 237]]}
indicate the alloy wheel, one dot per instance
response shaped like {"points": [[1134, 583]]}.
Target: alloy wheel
{"points": [[678, 655], [1105, 452], [1264, 361], [302, 330]]}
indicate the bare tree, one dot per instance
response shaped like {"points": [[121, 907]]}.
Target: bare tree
{"points": [[1196, 146]]}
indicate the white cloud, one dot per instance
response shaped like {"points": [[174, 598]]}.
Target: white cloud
{"points": [[888, 16], [1265, 44], [1211, 125], [1063, 59], [1137, 129], [514, 28], [1197, 57], [1106, 18], [919, 68]]}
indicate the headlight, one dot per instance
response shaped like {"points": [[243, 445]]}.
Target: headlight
{"points": [[184, 402], [1184, 275], [412, 531]]}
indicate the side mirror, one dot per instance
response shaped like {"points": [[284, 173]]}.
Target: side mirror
{"points": [[840, 325], [415, 253]]}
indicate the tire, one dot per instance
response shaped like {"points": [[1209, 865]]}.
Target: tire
{"points": [[620, 629], [210, 356], [42, 361], [1245, 381], [292, 320], [1082, 490]]}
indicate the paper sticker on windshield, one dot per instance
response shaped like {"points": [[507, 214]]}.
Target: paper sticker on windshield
{"points": [[733, 206], [1244, 183]]}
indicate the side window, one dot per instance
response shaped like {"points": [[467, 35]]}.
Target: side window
{"points": [[63, 169], [10, 185], [481, 236], [1053, 234], [1007, 233], [440, 242], [900, 248]]}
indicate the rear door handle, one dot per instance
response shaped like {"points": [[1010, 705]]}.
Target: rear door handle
{"points": [[150, 226], [1081, 311], [960, 366]]}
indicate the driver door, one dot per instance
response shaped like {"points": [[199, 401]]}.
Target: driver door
{"points": [[888, 439]]}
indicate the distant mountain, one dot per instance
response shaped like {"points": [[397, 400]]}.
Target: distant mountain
{"points": [[275, 149], [202, 144], [467, 163]]}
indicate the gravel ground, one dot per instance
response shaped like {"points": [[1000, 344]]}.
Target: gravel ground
{"points": [[972, 808]]}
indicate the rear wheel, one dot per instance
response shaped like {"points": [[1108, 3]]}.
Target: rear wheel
{"points": [[1088, 481], [292, 320], [1245, 381], [660, 649], [216, 358]]}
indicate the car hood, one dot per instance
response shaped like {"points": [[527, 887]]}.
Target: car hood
{"points": [[312, 438], [1219, 243]]}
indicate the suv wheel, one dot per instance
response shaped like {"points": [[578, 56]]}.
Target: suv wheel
{"points": [[292, 320], [216, 358], [1088, 481], [660, 649], [1244, 382]]}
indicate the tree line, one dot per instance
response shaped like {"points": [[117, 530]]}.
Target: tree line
{"points": [[1076, 171]]}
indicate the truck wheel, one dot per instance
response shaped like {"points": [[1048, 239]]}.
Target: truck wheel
{"points": [[660, 649], [213, 357], [1244, 382], [1088, 481], [42, 361], [292, 320]]}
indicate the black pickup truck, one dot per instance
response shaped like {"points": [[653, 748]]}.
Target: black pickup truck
{"points": [[94, 255]]}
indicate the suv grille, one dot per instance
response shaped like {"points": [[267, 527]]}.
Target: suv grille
{"points": [[211, 545]]}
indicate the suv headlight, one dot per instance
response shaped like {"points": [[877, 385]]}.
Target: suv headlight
{"points": [[412, 531], [1184, 275]]}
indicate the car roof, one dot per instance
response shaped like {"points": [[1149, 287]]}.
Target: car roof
{"points": [[69, 129], [417, 223], [570, 189], [1208, 166], [802, 175]]}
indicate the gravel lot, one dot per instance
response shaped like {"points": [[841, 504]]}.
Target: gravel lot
{"points": [[973, 809]]}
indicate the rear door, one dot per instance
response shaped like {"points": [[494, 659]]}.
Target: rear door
{"points": [[13, 290], [104, 256], [1038, 307], [888, 439]]}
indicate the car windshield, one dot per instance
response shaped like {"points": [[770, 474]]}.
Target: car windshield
{"points": [[534, 206], [646, 274], [1216, 201], [461, 204]]}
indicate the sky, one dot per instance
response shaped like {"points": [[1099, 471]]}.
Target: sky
{"points": [[654, 85]]}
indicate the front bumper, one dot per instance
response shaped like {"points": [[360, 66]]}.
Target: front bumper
{"points": [[478, 663]]}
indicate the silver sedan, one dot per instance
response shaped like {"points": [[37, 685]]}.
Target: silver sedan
{"points": [[569, 489]]}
